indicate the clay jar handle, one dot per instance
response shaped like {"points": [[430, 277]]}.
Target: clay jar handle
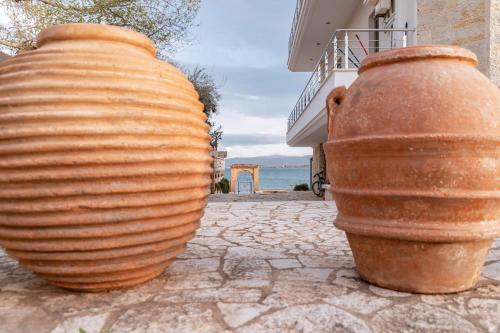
{"points": [[333, 101]]}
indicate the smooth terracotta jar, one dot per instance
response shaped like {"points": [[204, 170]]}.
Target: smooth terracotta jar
{"points": [[105, 165], [413, 158]]}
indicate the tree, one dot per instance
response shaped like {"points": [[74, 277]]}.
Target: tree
{"points": [[301, 187], [209, 96], [215, 135], [165, 22], [206, 88], [223, 185]]}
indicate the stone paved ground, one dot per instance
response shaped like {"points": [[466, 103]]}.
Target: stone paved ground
{"points": [[253, 267]]}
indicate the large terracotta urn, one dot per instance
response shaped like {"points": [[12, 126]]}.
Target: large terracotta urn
{"points": [[105, 164], [413, 159]]}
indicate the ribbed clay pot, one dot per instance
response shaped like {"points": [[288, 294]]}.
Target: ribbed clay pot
{"points": [[105, 166], [413, 159]]}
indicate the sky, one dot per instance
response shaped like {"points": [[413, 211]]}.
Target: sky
{"points": [[243, 44]]}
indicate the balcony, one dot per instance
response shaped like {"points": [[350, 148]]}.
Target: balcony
{"points": [[337, 66], [313, 24]]}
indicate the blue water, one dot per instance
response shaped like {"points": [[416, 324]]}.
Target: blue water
{"points": [[273, 178]]}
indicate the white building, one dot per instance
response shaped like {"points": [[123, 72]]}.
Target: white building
{"points": [[331, 37], [219, 167]]}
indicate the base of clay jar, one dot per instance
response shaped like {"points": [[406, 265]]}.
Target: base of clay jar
{"points": [[95, 284], [418, 267]]}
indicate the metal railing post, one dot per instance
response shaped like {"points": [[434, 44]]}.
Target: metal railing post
{"points": [[404, 39], [346, 51], [335, 55], [326, 63]]}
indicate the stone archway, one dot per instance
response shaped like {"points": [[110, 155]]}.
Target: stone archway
{"points": [[253, 169]]}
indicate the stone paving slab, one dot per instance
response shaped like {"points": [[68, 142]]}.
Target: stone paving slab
{"points": [[253, 267]]}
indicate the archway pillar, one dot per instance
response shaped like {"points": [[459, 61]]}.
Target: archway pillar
{"points": [[255, 174], [234, 177]]}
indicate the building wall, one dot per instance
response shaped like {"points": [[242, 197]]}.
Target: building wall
{"points": [[406, 13], [361, 16], [361, 20], [493, 24], [318, 163], [473, 24], [219, 168]]}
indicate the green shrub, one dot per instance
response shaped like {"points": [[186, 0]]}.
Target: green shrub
{"points": [[301, 187], [223, 185]]}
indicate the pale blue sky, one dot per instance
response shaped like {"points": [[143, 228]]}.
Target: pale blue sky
{"points": [[244, 45]]}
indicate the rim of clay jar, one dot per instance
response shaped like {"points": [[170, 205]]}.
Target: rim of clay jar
{"points": [[419, 52], [86, 31]]}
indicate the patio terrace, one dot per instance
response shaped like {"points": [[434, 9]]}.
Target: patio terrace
{"points": [[268, 266]]}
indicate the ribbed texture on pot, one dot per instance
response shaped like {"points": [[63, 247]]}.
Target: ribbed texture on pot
{"points": [[105, 165], [414, 148]]}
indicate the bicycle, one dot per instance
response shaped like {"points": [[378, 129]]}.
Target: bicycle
{"points": [[317, 186]]}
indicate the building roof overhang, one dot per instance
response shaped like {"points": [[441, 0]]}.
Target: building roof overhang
{"points": [[316, 24]]}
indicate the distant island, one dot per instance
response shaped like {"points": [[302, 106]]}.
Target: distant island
{"points": [[274, 161]]}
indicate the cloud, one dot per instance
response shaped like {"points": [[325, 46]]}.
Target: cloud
{"points": [[234, 122], [248, 97], [241, 33], [270, 92], [264, 92], [267, 150], [244, 45], [251, 139]]}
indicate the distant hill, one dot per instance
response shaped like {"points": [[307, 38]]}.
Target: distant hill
{"points": [[271, 161]]}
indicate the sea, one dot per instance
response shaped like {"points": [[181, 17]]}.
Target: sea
{"points": [[273, 178]]}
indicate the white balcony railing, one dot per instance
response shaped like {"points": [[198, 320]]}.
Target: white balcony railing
{"points": [[345, 51], [296, 15]]}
